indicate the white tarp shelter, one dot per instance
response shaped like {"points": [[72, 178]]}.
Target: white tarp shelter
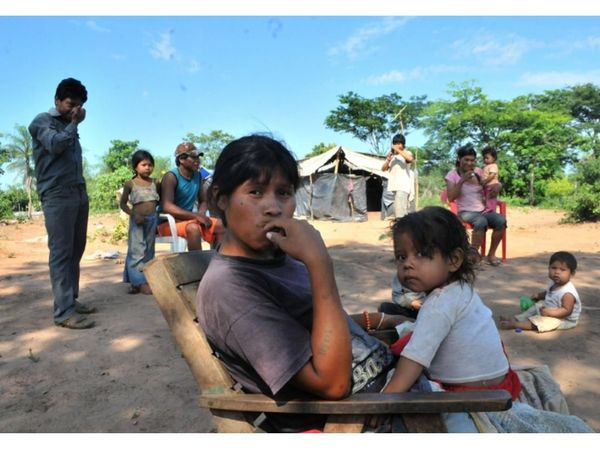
{"points": [[340, 184]]}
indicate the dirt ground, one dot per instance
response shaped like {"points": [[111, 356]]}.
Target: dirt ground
{"points": [[126, 374]]}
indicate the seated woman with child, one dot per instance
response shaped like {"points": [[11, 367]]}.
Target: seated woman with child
{"points": [[463, 184]]}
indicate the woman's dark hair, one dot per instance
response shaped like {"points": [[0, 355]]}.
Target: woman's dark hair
{"points": [[71, 88], [564, 257], [489, 150], [253, 157], [464, 150], [436, 228], [139, 156]]}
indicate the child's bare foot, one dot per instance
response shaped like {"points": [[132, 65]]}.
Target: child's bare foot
{"points": [[507, 323]]}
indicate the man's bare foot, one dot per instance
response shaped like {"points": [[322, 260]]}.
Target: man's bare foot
{"points": [[507, 323]]}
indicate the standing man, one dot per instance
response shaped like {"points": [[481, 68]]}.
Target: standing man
{"points": [[61, 188], [400, 181], [181, 191]]}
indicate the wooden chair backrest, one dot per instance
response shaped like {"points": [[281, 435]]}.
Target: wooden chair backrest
{"points": [[174, 280]]}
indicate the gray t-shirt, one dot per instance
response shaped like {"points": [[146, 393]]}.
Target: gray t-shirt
{"points": [[257, 315]]}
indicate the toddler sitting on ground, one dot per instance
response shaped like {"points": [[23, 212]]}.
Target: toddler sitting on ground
{"points": [[561, 305]]}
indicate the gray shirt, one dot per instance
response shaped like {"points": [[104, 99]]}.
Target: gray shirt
{"points": [[56, 152], [257, 315]]}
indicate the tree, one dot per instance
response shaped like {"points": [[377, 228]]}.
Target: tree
{"points": [[582, 102], [119, 154], [210, 144], [468, 117], [586, 201], [374, 121], [3, 156], [319, 149], [19, 154], [536, 144]]}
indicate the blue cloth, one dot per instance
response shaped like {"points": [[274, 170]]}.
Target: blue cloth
{"points": [[483, 220], [140, 249], [522, 418], [66, 211], [204, 173]]}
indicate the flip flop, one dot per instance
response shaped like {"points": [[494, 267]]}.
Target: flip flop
{"points": [[494, 262]]}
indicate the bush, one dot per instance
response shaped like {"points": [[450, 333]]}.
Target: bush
{"points": [[15, 199], [6, 211], [121, 231], [585, 205], [103, 187], [559, 193]]}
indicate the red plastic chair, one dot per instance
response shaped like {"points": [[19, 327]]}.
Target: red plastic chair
{"points": [[454, 208]]}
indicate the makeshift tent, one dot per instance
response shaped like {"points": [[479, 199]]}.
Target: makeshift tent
{"points": [[340, 184]]}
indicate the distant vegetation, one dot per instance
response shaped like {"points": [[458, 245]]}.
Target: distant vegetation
{"points": [[548, 146]]}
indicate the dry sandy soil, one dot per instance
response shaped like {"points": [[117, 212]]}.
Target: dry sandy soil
{"points": [[126, 374]]}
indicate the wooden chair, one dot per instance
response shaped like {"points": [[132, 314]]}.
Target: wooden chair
{"points": [[501, 208], [174, 281]]}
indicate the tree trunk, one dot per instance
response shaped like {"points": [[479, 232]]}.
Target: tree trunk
{"points": [[531, 189], [28, 183]]}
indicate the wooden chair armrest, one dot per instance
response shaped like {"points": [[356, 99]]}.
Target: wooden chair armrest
{"points": [[376, 403]]}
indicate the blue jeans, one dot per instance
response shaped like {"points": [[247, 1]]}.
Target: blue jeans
{"points": [[140, 249], [482, 220], [66, 211]]}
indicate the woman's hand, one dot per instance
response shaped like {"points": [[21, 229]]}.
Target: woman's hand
{"points": [[297, 238], [467, 176]]}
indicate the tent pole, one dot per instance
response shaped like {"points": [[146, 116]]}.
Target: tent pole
{"points": [[312, 216], [416, 181]]}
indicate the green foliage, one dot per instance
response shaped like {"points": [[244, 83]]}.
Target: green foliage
{"points": [[19, 159], [121, 230], [3, 156], [374, 121], [15, 198], [119, 154], [536, 144], [6, 211], [560, 187], [161, 165], [586, 200], [319, 149], [103, 187], [210, 144]]}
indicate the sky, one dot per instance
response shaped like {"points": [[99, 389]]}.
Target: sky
{"points": [[155, 76]]}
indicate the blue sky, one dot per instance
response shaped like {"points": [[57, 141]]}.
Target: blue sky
{"points": [[157, 78]]}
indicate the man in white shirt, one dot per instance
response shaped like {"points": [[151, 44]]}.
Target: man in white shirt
{"points": [[400, 181]]}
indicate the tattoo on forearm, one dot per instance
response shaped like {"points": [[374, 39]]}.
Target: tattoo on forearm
{"points": [[325, 344]]}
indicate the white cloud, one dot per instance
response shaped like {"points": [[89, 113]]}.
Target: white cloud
{"points": [[193, 66], [416, 73], [360, 42], [163, 49], [493, 51], [555, 79], [593, 41], [92, 25]]}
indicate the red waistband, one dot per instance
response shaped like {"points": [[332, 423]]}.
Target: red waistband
{"points": [[511, 383]]}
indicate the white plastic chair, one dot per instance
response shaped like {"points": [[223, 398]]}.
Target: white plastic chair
{"points": [[178, 244]]}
